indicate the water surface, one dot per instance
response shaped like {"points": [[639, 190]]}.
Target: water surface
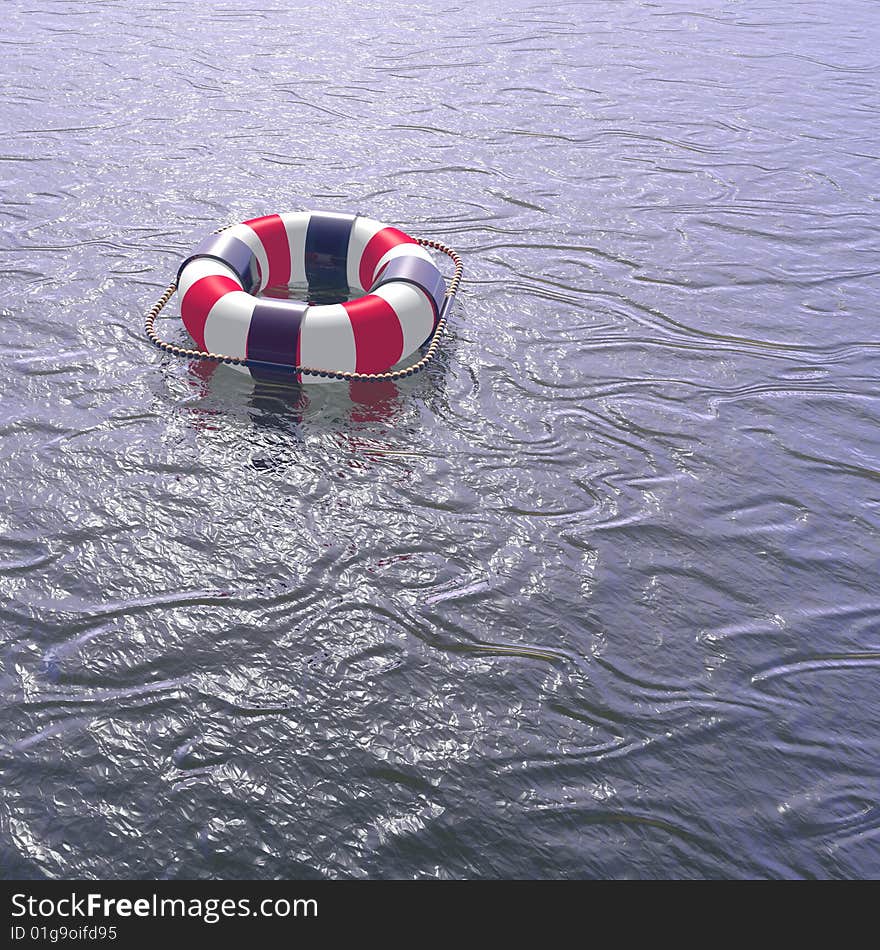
{"points": [[597, 595]]}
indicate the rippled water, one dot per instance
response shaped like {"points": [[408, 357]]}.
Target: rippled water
{"points": [[596, 595]]}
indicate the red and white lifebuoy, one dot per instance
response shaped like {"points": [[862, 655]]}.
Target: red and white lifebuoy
{"points": [[402, 292]]}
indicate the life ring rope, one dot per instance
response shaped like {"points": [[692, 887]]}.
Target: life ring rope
{"points": [[432, 344]]}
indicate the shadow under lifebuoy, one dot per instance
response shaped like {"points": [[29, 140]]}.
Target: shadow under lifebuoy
{"points": [[359, 413]]}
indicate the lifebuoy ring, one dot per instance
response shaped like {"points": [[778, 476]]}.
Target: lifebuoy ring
{"points": [[402, 292]]}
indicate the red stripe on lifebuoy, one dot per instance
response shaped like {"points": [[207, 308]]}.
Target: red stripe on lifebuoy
{"points": [[198, 300], [377, 247], [273, 236], [378, 338]]}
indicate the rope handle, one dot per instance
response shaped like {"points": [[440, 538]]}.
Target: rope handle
{"points": [[432, 343]]}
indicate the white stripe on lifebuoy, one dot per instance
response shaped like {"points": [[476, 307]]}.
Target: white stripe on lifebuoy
{"points": [[327, 340], [228, 323], [203, 267], [415, 313], [361, 232], [296, 223]]}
